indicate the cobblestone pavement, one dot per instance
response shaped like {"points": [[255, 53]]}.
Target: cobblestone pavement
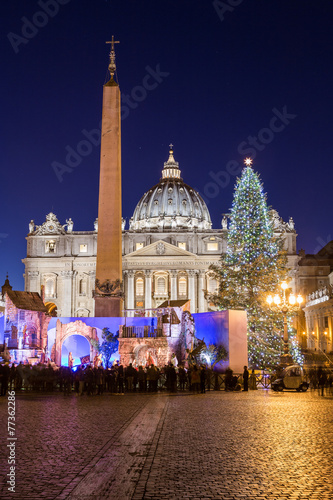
{"points": [[252, 446]]}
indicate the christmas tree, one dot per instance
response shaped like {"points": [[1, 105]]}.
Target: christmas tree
{"points": [[252, 266]]}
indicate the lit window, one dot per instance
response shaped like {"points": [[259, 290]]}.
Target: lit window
{"points": [[212, 247], [182, 285], [139, 287], [182, 245], [138, 246], [83, 248], [50, 246], [160, 285]]}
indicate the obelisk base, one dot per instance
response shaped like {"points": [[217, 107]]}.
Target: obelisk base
{"points": [[108, 307]]}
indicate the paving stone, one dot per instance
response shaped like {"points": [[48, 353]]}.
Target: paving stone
{"points": [[225, 446]]}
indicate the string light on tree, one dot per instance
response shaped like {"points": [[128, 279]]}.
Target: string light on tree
{"points": [[254, 264]]}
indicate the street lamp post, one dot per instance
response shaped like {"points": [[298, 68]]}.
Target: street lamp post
{"points": [[284, 304]]}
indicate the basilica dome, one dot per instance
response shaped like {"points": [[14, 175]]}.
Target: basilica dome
{"points": [[171, 205]]}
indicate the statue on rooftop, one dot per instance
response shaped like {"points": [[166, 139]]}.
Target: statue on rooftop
{"points": [[70, 225]]}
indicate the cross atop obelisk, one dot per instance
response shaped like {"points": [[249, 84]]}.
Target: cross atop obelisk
{"points": [[112, 65]]}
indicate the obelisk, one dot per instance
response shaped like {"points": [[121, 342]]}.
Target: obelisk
{"points": [[108, 285]]}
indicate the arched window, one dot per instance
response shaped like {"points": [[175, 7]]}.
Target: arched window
{"points": [[49, 287], [31, 336], [182, 286], [161, 285], [82, 313], [139, 288]]}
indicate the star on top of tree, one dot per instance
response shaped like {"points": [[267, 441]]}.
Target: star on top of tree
{"points": [[248, 162]]}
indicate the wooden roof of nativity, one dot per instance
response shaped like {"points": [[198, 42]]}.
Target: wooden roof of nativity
{"points": [[174, 303], [30, 301]]}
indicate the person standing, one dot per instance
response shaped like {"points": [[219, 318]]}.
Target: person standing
{"points": [[80, 376], [195, 379], [129, 374], [246, 379], [172, 378], [142, 379], [5, 372], [12, 376], [182, 377], [120, 379], [322, 379], [203, 379]]}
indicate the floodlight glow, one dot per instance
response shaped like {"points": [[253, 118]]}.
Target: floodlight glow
{"points": [[277, 299], [269, 299], [284, 285], [292, 299], [299, 298]]}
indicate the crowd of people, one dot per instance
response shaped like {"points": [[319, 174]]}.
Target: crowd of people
{"points": [[321, 379], [90, 380], [118, 379]]}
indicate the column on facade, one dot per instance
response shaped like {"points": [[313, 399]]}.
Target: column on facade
{"points": [[317, 331], [33, 282], [192, 289], [329, 330], [66, 300], [321, 325], [313, 331], [201, 287], [75, 295], [148, 275], [310, 329], [174, 291], [307, 330], [130, 290]]}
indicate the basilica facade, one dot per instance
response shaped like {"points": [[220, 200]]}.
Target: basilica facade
{"points": [[166, 252]]}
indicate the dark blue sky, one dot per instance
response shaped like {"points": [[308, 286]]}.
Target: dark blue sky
{"points": [[224, 74]]}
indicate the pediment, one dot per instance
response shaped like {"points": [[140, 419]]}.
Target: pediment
{"points": [[160, 249]]}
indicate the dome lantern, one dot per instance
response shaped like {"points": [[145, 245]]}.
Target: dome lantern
{"points": [[171, 167], [171, 205]]}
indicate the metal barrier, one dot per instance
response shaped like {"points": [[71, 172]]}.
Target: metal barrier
{"points": [[145, 331], [216, 381]]}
